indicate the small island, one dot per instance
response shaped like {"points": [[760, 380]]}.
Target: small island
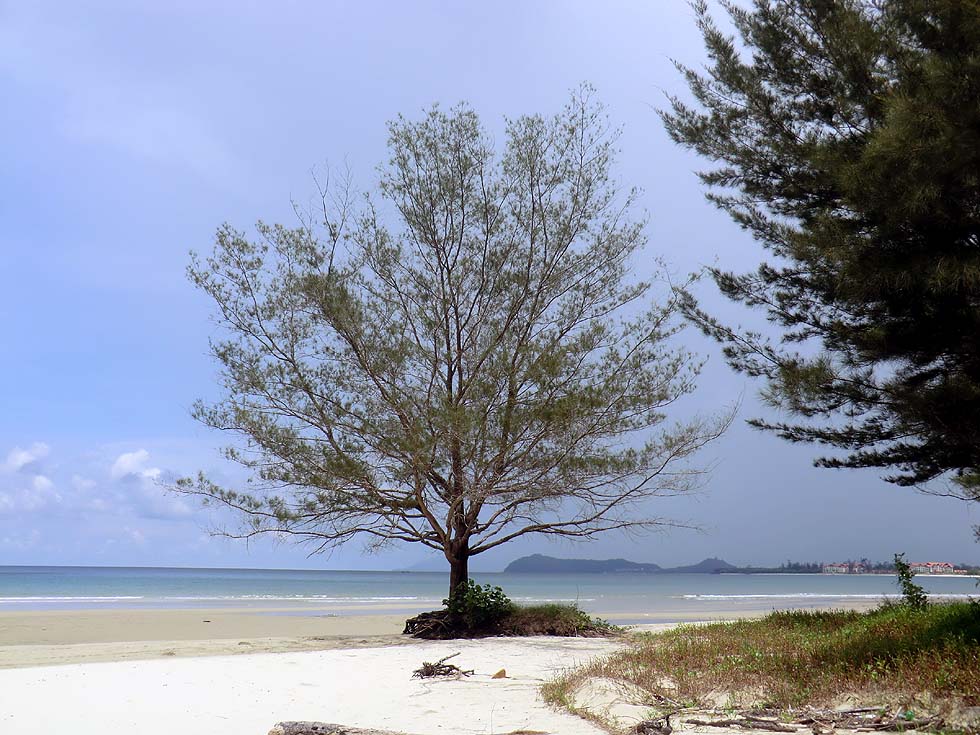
{"points": [[541, 564]]}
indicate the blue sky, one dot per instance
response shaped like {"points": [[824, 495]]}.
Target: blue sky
{"points": [[132, 130]]}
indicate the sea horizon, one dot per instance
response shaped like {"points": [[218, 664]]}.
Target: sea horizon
{"points": [[625, 595]]}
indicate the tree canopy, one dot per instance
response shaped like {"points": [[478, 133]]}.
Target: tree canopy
{"points": [[462, 359], [846, 135]]}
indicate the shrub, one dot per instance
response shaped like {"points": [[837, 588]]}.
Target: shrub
{"points": [[473, 611], [554, 619], [912, 594], [478, 608]]}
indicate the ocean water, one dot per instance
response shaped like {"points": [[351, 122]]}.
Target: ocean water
{"points": [[622, 597]]}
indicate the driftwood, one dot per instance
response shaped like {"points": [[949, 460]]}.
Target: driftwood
{"points": [[868, 719], [654, 727], [822, 722], [750, 723], [440, 668], [323, 728]]}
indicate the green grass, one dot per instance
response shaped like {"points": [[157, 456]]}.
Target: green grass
{"points": [[793, 659], [509, 619], [554, 619]]}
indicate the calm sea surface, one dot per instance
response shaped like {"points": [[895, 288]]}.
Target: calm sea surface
{"points": [[625, 596]]}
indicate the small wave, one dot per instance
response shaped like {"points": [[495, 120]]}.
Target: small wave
{"points": [[818, 596], [70, 599], [290, 598], [298, 598], [212, 598]]}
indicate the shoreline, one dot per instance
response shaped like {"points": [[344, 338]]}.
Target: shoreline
{"points": [[61, 637]]}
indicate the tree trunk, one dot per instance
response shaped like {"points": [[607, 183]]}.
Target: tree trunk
{"points": [[459, 567]]}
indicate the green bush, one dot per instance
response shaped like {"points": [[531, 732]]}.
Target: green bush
{"points": [[478, 608], [912, 594], [555, 619]]}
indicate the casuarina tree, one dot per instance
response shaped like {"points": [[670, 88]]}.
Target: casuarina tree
{"points": [[846, 138], [461, 360]]}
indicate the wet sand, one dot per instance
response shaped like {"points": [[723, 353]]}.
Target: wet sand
{"points": [[49, 637], [74, 636]]}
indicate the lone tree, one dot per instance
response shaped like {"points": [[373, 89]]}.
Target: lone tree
{"points": [[471, 366], [847, 134]]}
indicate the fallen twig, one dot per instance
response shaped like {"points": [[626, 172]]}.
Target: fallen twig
{"points": [[747, 722], [440, 668], [322, 728], [868, 719]]}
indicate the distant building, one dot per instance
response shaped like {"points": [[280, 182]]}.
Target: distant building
{"points": [[931, 567], [918, 567]]}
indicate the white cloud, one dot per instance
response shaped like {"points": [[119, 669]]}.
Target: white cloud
{"points": [[41, 483], [132, 463], [143, 490], [82, 483], [40, 494], [152, 473], [19, 458]]}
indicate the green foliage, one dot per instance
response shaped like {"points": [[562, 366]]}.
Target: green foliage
{"points": [[473, 611], [912, 594], [463, 359], [555, 618], [847, 141], [478, 608]]}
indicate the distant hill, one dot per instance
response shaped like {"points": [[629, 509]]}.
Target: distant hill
{"points": [[707, 566], [541, 564]]}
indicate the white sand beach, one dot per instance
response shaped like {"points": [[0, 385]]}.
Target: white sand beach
{"points": [[239, 672], [248, 694]]}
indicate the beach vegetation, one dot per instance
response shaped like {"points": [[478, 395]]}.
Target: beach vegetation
{"points": [[918, 659], [463, 357], [482, 612], [556, 618], [477, 607], [913, 594], [845, 138]]}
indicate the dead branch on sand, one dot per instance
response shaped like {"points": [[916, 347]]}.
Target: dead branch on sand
{"points": [[440, 668]]}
